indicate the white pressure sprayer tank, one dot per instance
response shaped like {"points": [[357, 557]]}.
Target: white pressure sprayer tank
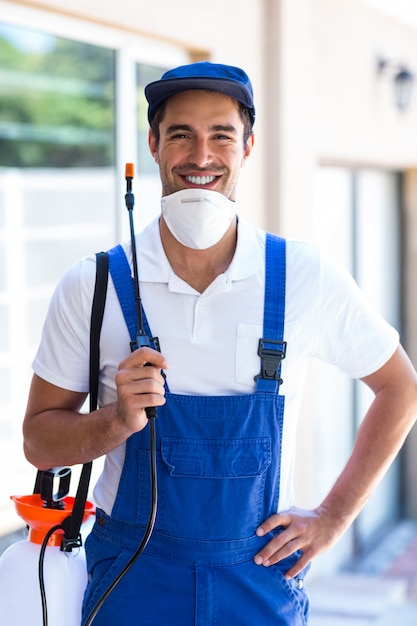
{"points": [[65, 574]]}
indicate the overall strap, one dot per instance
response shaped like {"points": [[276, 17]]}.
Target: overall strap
{"points": [[272, 346], [123, 282]]}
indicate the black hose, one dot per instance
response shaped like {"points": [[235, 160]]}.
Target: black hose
{"points": [[49, 534], [148, 530]]}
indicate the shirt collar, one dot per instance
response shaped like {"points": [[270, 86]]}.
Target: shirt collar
{"points": [[248, 256], [154, 265]]}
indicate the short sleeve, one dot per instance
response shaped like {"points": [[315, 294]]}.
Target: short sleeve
{"points": [[62, 358], [352, 333]]}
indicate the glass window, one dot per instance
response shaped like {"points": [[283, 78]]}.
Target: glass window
{"points": [[57, 196], [1, 209], [148, 185], [145, 74], [5, 423], [56, 105], [60, 198], [4, 325], [2, 268]]}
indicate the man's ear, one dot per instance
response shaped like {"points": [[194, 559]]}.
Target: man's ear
{"points": [[248, 148], [153, 147]]}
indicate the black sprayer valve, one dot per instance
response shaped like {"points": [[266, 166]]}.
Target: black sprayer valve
{"points": [[54, 487]]}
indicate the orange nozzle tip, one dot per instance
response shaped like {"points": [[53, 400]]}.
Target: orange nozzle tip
{"points": [[130, 170]]}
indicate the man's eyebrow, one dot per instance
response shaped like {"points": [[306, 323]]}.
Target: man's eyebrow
{"points": [[228, 128], [176, 127]]}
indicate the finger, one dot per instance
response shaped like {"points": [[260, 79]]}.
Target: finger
{"points": [[140, 374], [277, 549], [146, 400], [144, 356], [298, 567], [278, 519], [138, 381], [136, 396]]}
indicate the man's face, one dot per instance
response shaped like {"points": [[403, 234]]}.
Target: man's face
{"points": [[201, 143]]}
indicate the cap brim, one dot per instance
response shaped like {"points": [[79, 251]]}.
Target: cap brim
{"points": [[160, 90]]}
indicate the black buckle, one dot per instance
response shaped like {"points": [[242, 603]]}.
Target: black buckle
{"points": [[143, 340], [69, 544], [271, 352]]}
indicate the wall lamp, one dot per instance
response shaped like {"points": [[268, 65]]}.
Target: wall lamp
{"points": [[403, 80]]}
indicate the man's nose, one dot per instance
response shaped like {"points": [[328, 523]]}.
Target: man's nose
{"points": [[201, 152]]}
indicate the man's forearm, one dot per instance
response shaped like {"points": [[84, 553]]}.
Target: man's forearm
{"points": [[62, 437], [56, 433], [378, 441]]}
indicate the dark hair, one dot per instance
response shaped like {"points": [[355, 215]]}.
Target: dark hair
{"points": [[244, 112]]}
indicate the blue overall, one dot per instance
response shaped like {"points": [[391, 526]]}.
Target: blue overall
{"points": [[218, 463]]}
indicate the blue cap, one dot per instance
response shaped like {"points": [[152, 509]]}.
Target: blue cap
{"points": [[227, 79]]}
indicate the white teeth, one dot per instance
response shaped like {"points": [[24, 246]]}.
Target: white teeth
{"points": [[200, 180]]}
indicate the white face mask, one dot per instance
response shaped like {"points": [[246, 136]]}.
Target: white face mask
{"points": [[198, 218]]}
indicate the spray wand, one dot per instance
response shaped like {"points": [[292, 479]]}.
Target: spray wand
{"points": [[142, 340]]}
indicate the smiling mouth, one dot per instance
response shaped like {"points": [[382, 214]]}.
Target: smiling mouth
{"points": [[200, 180]]}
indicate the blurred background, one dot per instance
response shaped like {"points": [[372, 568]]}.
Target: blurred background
{"points": [[335, 163]]}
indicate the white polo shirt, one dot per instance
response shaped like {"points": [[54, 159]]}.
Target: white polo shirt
{"points": [[210, 340]]}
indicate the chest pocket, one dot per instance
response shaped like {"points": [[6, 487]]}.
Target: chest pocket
{"points": [[215, 458], [205, 485]]}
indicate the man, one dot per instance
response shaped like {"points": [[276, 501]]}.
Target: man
{"points": [[228, 547]]}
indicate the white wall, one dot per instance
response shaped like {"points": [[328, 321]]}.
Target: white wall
{"points": [[333, 107]]}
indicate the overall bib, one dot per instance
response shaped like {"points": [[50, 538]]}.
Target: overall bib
{"points": [[218, 463]]}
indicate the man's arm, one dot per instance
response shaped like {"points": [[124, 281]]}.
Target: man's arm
{"points": [[56, 433], [378, 441]]}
